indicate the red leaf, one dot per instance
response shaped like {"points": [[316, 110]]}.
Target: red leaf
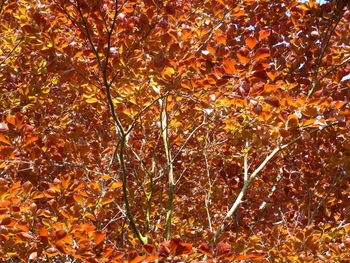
{"points": [[260, 74], [149, 249], [164, 249], [222, 249], [183, 248], [6, 151], [206, 249]]}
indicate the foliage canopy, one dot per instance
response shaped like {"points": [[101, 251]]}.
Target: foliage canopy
{"points": [[189, 130]]}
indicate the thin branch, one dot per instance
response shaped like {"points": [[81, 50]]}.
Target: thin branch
{"points": [[2, 5], [171, 184], [12, 50], [64, 164], [329, 33], [314, 213], [245, 160], [273, 189], [187, 139], [332, 69], [252, 178], [139, 114]]}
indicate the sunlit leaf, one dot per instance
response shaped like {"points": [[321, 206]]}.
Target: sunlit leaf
{"points": [[251, 42]]}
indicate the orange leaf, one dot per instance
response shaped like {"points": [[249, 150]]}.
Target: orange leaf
{"points": [[268, 88], [262, 53], [138, 259], [128, 9], [99, 236], [229, 66], [11, 119], [309, 122], [242, 59], [255, 255], [211, 49], [31, 139], [251, 42], [263, 34], [115, 185], [4, 203]]}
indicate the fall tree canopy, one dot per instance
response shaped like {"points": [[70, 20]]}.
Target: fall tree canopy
{"points": [[174, 131]]}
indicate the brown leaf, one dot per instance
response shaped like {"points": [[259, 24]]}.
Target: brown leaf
{"points": [[25, 236], [272, 101], [5, 221]]}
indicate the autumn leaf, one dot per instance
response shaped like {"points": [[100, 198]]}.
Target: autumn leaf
{"points": [[242, 59], [251, 42], [5, 140], [263, 34], [262, 53], [99, 236], [229, 66], [272, 101]]}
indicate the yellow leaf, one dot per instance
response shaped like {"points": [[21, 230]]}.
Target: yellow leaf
{"points": [[92, 100], [115, 185]]}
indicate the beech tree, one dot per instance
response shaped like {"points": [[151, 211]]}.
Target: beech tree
{"points": [[168, 131]]}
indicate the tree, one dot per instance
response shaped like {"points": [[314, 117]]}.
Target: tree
{"points": [[129, 124]]}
